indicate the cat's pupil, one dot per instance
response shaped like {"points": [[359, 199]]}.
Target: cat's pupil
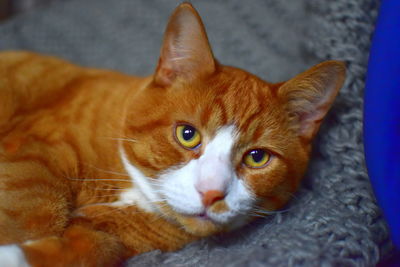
{"points": [[188, 132], [257, 155]]}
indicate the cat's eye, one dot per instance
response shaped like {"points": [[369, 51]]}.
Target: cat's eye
{"points": [[256, 158], [188, 136]]}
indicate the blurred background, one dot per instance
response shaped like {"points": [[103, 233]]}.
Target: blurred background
{"points": [[12, 7]]}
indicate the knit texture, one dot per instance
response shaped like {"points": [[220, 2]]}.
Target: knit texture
{"points": [[334, 219]]}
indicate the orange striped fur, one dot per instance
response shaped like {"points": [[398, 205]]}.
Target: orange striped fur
{"points": [[63, 127]]}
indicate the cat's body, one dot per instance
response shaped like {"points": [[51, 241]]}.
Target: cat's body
{"points": [[96, 166]]}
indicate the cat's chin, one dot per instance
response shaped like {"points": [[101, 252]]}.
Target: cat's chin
{"points": [[199, 225]]}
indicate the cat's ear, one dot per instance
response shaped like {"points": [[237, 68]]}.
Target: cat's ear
{"points": [[309, 96], [185, 52]]}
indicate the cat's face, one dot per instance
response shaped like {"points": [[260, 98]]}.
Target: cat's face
{"points": [[227, 135], [214, 146]]}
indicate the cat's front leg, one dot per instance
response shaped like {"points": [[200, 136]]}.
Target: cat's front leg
{"points": [[99, 235], [80, 245], [140, 231]]}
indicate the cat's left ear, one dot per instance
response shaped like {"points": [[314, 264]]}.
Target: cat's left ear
{"points": [[309, 96], [186, 52]]}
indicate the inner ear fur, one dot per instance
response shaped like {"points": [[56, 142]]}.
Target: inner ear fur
{"points": [[308, 96]]}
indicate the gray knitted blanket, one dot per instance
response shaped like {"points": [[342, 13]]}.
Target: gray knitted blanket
{"points": [[334, 219]]}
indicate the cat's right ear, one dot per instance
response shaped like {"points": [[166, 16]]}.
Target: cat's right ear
{"points": [[186, 53], [309, 95]]}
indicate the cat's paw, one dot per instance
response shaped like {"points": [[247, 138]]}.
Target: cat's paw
{"points": [[12, 256]]}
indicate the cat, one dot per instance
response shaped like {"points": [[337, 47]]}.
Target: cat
{"points": [[98, 166]]}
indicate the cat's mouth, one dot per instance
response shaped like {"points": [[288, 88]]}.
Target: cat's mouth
{"points": [[199, 224], [204, 217]]}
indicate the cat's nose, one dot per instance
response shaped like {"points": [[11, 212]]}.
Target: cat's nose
{"points": [[212, 196]]}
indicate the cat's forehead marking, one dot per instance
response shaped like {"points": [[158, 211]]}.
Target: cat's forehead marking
{"points": [[216, 106], [240, 98], [223, 139]]}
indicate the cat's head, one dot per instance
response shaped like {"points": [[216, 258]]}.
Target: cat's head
{"points": [[214, 145]]}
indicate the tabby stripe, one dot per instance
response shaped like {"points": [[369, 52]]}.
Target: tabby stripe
{"points": [[171, 234], [140, 161], [37, 79], [245, 126], [64, 94], [260, 109], [223, 87], [82, 106], [257, 133], [239, 110], [164, 237], [75, 148], [155, 236], [205, 116], [149, 125], [28, 183], [137, 226], [94, 124], [224, 118], [169, 153], [41, 140], [39, 218], [37, 159]]}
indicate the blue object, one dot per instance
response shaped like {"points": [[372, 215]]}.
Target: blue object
{"points": [[382, 115]]}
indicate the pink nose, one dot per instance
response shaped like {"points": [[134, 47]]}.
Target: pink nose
{"points": [[212, 196]]}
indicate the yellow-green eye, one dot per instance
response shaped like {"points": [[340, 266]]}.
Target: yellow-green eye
{"points": [[256, 158], [187, 136]]}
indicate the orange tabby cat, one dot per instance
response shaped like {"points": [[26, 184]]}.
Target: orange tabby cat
{"points": [[97, 166]]}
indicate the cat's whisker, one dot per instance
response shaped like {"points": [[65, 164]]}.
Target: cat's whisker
{"points": [[156, 184], [160, 201], [110, 189], [101, 196], [160, 195], [270, 211], [158, 188], [260, 216], [105, 213], [98, 179], [158, 217], [122, 139], [262, 212], [107, 171], [161, 214], [153, 181], [117, 209], [291, 194]]}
